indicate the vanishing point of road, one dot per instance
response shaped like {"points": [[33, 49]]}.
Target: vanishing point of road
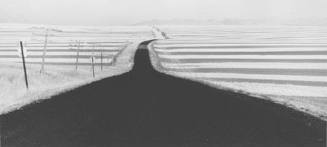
{"points": [[146, 108]]}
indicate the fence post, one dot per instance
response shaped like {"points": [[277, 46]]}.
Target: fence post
{"points": [[93, 66], [77, 56], [101, 60], [24, 64], [44, 49]]}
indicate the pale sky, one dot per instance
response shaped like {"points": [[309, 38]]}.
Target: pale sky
{"points": [[105, 12]]}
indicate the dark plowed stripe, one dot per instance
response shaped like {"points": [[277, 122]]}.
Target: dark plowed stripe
{"points": [[70, 64]]}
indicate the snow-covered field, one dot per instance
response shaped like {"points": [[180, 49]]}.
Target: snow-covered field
{"points": [[285, 64], [67, 48]]}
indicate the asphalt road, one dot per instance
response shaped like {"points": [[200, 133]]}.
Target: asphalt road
{"points": [[145, 108]]}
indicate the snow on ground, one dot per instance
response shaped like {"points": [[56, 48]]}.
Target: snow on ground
{"points": [[60, 73], [243, 56], [283, 64]]}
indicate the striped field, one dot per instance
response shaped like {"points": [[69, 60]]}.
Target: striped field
{"points": [[285, 64], [64, 45]]}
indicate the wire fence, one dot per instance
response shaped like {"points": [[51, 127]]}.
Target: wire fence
{"points": [[48, 46]]}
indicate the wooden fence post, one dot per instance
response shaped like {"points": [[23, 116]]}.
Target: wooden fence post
{"points": [[93, 58], [44, 49], [101, 60], [93, 66], [24, 64], [77, 55]]}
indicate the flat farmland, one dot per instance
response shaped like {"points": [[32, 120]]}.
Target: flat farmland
{"points": [[284, 64], [59, 59]]}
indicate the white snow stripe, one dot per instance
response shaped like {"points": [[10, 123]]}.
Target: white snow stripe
{"points": [[253, 76], [247, 65], [243, 56], [239, 45], [203, 50]]}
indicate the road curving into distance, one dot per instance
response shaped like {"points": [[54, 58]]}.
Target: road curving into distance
{"points": [[145, 108]]}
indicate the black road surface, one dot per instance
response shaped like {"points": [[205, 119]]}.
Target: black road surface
{"points": [[145, 108]]}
